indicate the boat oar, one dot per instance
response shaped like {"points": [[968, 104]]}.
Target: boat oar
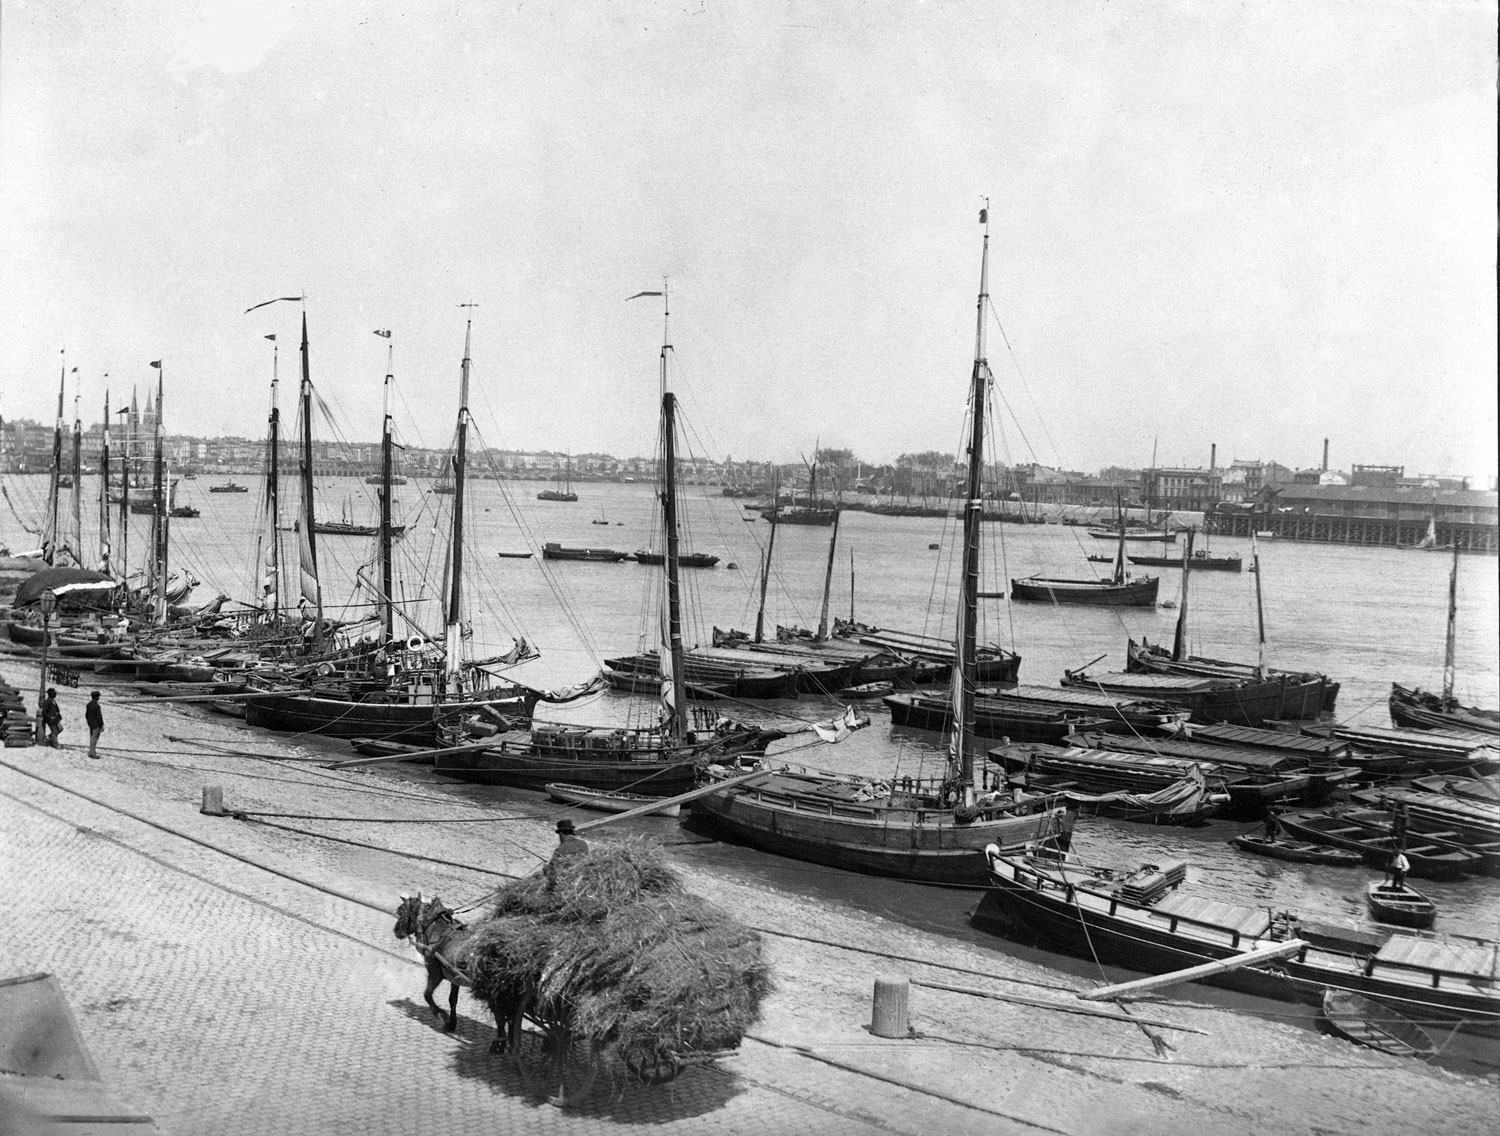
{"points": [[1193, 973], [681, 798]]}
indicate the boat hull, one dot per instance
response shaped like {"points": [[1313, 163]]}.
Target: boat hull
{"points": [[416, 722], [1089, 593], [1451, 980], [917, 844], [920, 712], [521, 767], [588, 798]]}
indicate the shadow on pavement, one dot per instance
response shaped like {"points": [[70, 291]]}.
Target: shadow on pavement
{"points": [[616, 1095]]}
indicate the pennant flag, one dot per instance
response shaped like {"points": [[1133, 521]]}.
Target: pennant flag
{"points": [[984, 216], [277, 300], [272, 338], [383, 334], [638, 295], [74, 371], [156, 363]]}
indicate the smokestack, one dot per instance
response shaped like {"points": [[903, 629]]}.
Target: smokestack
{"points": [[1325, 455], [1213, 456]]}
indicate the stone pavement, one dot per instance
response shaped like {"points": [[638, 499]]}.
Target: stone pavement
{"points": [[219, 996]]}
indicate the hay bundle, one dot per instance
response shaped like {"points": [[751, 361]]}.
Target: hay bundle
{"points": [[612, 946]]}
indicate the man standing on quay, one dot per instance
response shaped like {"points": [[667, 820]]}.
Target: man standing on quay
{"points": [[93, 714], [52, 716]]}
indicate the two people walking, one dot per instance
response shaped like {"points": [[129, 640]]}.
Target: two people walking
{"points": [[93, 717]]}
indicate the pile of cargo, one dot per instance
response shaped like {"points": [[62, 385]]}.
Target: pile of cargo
{"points": [[17, 728]]}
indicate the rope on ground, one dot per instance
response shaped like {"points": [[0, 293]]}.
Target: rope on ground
{"points": [[375, 848], [911, 1086]]}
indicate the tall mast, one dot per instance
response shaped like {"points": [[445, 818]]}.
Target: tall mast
{"points": [[1260, 612], [76, 510], [453, 636], [387, 446], [833, 541], [674, 690], [1179, 638], [765, 571], [312, 590], [1120, 548], [1450, 674], [965, 678], [271, 582], [105, 565], [49, 530], [159, 510], [131, 421], [851, 585]]}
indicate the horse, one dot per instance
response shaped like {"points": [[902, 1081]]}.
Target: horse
{"points": [[440, 939]]}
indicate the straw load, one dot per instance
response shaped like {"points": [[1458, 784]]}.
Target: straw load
{"points": [[608, 945]]}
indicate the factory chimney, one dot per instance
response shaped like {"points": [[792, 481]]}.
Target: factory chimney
{"points": [[1213, 456], [1325, 455]]}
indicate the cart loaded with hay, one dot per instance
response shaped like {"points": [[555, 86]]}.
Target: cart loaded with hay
{"points": [[605, 953]]}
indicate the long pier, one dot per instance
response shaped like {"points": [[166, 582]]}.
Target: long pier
{"points": [[1327, 529]]}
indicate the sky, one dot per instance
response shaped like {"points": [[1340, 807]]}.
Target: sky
{"points": [[1256, 225]]}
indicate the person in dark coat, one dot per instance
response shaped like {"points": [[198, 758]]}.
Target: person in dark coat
{"points": [[93, 714], [568, 844], [1273, 825], [52, 716]]}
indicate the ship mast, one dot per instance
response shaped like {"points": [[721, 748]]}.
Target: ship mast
{"points": [[312, 590], [271, 585], [387, 445], [965, 677], [453, 631], [49, 531]]}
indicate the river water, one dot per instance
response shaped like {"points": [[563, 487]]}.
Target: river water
{"points": [[1365, 616]]}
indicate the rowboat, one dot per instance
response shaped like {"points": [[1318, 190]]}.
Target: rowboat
{"points": [[1400, 905], [1297, 851], [606, 802], [866, 690], [1368, 1022]]}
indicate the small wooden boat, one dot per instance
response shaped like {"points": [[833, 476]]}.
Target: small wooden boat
{"points": [[1401, 906], [1368, 1022], [1297, 851], [514, 555], [605, 801], [866, 690]]}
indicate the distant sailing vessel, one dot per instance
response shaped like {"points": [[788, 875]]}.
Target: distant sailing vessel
{"points": [[1416, 708], [1119, 590], [564, 490]]}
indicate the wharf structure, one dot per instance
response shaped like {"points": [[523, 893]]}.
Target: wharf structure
{"points": [[1392, 516]]}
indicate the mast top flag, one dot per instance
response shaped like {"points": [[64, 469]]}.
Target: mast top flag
{"points": [[276, 300]]}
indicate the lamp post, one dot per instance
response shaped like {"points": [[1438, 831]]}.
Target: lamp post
{"points": [[49, 604]]}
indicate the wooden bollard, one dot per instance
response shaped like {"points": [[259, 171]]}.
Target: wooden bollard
{"points": [[213, 801], [888, 1017]]}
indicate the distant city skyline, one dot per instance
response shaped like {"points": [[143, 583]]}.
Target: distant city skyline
{"points": [[1256, 225]]}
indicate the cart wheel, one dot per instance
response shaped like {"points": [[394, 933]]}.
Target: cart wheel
{"points": [[654, 1069]]}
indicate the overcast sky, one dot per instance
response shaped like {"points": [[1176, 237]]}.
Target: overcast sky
{"points": [[1256, 224]]}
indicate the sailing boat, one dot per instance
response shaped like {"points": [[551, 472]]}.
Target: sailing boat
{"points": [[1275, 694], [564, 490], [1416, 708], [404, 690], [1213, 691], [660, 760], [933, 831], [1117, 591], [1147, 530], [814, 512]]}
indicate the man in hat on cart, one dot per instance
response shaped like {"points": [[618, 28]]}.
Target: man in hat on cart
{"points": [[568, 844]]}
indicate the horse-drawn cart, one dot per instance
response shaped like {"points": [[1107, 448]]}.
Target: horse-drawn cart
{"points": [[603, 955]]}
